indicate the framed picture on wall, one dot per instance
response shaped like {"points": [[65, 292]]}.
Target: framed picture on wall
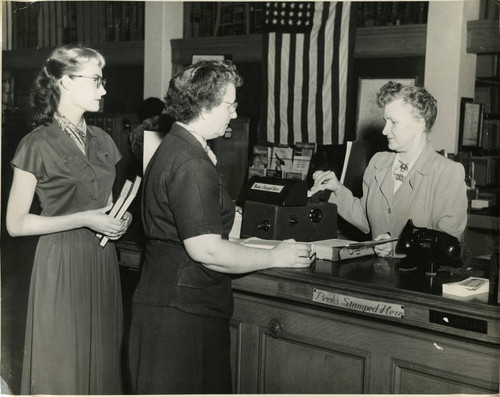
{"points": [[369, 117], [471, 118]]}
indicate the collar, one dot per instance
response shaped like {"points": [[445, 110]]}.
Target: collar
{"points": [[198, 137], [201, 140], [422, 165], [53, 129]]}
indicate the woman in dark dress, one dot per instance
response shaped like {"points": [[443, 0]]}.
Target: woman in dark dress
{"points": [[74, 325], [179, 339]]}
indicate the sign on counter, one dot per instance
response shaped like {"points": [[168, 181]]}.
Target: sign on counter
{"points": [[358, 304]]}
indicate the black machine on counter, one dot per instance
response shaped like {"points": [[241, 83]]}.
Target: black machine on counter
{"points": [[427, 250], [279, 209]]}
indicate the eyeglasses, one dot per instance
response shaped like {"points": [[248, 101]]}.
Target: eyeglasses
{"points": [[232, 106], [98, 80]]}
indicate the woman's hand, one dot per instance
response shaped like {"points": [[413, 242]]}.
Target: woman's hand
{"points": [[289, 253], [325, 180], [383, 249], [99, 221], [127, 219]]}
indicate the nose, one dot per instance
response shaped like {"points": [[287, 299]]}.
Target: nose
{"points": [[234, 114], [386, 131], [103, 90]]}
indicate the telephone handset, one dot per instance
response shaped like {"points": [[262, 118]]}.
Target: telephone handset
{"points": [[428, 249]]}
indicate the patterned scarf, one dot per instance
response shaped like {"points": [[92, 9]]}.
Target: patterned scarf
{"points": [[75, 132]]}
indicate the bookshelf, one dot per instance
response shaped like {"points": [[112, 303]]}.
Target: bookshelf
{"points": [[215, 19], [47, 24]]}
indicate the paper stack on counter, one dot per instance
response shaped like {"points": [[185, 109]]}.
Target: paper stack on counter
{"points": [[468, 287]]}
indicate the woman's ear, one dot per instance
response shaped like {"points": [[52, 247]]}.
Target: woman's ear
{"points": [[66, 82], [204, 113]]}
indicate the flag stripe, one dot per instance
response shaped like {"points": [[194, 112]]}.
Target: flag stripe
{"points": [[343, 67], [300, 131], [334, 137], [320, 72], [277, 86], [304, 125], [291, 88]]}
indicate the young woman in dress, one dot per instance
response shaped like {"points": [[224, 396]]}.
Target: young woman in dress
{"points": [[74, 324]]}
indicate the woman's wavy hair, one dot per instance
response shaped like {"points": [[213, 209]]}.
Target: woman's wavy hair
{"points": [[201, 86], [46, 92], [423, 103]]}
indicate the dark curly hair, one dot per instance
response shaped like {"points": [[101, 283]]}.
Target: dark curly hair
{"points": [[45, 92], [201, 85], [423, 103]]}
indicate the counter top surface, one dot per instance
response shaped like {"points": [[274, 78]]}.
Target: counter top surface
{"points": [[374, 281], [378, 282], [382, 275]]}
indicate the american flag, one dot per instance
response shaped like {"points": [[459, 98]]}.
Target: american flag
{"points": [[306, 51]]}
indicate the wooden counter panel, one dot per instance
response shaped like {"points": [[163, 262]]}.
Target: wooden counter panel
{"points": [[424, 308], [318, 351]]}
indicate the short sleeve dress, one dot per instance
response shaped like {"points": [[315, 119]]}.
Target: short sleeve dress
{"points": [[74, 324], [179, 336]]}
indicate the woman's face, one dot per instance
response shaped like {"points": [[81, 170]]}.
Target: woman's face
{"points": [[218, 118], [84, 91], [402, 126]]}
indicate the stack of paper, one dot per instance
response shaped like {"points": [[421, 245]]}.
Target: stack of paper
{"points": [[468, 287], [127, 195]]}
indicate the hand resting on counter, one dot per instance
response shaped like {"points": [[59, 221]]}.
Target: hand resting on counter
{"points": [[230, 257]]}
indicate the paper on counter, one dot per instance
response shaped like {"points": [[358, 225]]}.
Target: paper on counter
{"points": [[323, 248]]}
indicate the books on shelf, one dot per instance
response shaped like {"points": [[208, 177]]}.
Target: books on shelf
{"points": [[468, 287], [127, 195], [48, 24]]}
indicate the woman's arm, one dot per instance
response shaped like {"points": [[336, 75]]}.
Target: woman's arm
{"points": [[229, 257], [21, 223], [450, 201], [351, 208]]}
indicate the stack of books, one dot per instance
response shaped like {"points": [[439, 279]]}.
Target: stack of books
{"points": [[127, 195]]}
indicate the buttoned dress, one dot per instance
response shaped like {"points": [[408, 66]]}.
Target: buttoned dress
{"points": [[74, 328], [433, 195]]}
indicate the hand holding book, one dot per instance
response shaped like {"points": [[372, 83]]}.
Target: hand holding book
{"points": [[127, 195]]}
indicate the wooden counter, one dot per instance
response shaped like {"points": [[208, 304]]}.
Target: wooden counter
{"points": [[358, 326]]}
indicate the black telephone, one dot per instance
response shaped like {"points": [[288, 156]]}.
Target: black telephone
{"points": [[428, 250]]}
